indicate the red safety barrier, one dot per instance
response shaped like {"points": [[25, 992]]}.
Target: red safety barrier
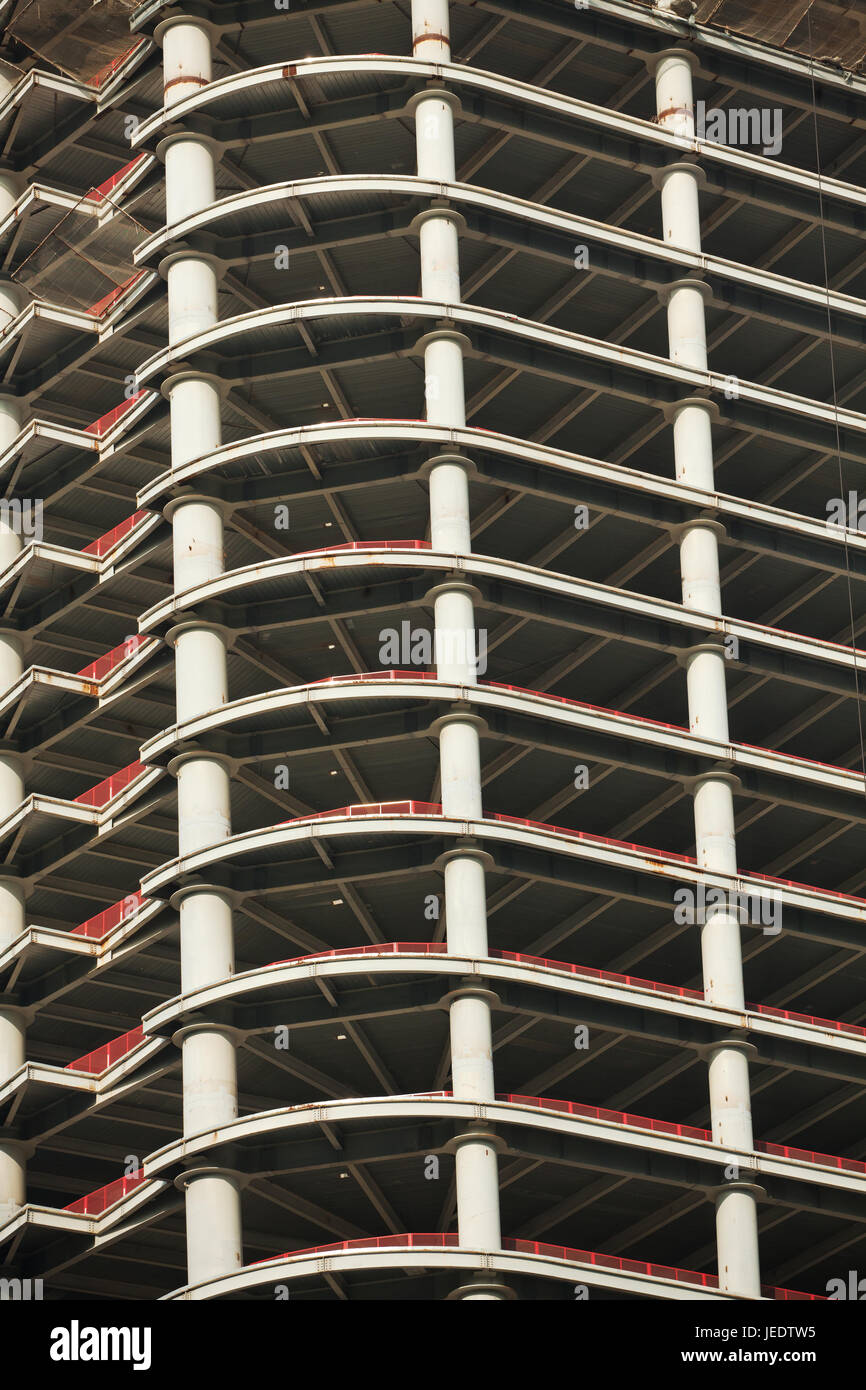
{"points": [[383, 420], [582, 704], [95, 1203], [103, 544], [847, 1165], [103, 1057], [364, 545], [102, 190], [389, 675], [653, 723], [105, 422], [430, 808], [796, 758], [586, 836], [108, 301], [439, 1240], [806, 887], [621, 1117], [105, 791], [833, 1023], [521, 958], [100, 78], [104, 665], [441, 948], [574, 704], [634, 981], [617, 1117], [384, 948], [100, 925], [375, 808], [622, 1265]]}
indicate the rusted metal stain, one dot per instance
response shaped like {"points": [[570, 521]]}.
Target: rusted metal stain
{"points": [[198, 81]]}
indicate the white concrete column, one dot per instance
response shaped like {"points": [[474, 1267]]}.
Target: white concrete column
{"points": [[11, 412], [10, 302], [477, 1175], [10, 427], [715, 842], [187, 58], [431, 31], [213, 1204], [12, 911], [11, 541], [11, 187], [13, 1055], [13, 1051], [13, 1028]]}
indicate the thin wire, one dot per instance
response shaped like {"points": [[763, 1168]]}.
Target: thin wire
{"points": [[831, 345]]}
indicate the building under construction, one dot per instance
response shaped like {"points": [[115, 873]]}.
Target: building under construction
{"points": [[432, 649]]}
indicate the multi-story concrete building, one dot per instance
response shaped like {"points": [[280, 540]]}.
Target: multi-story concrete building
{"points": [[432, 797]]}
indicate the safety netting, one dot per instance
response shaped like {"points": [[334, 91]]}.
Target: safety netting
{"points": [[86, 260], [86, 39], [830, 31]]}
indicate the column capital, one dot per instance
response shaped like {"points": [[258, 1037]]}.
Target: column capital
{"points": [[191, 21], [433, 93], [682, 166]]}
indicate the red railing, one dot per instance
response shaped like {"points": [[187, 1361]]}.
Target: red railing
{"points": [[436, 1239], [439, 1240], [105, 791], [103, 544], [103, 1057], [102, 190], [430, 808], [375, 808], [99, 1201], [433, 808], [105, 422], [392, 674], [104, 665], [385, 948], [99, 78], [95, 1203], [805, 887], [847, 1165], [816, 1022], [593, 839], [364, 545], [389, 675], [582, 704], [624, 1266], [441, 948], [622, 1117], [109, 300], [100, 925], [617, 1117], [634, 981]]}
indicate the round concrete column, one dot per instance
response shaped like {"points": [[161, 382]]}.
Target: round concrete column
{"points": [[13, 920], [213, 1203], [715, 841], [11, 188], [457, 648]]}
